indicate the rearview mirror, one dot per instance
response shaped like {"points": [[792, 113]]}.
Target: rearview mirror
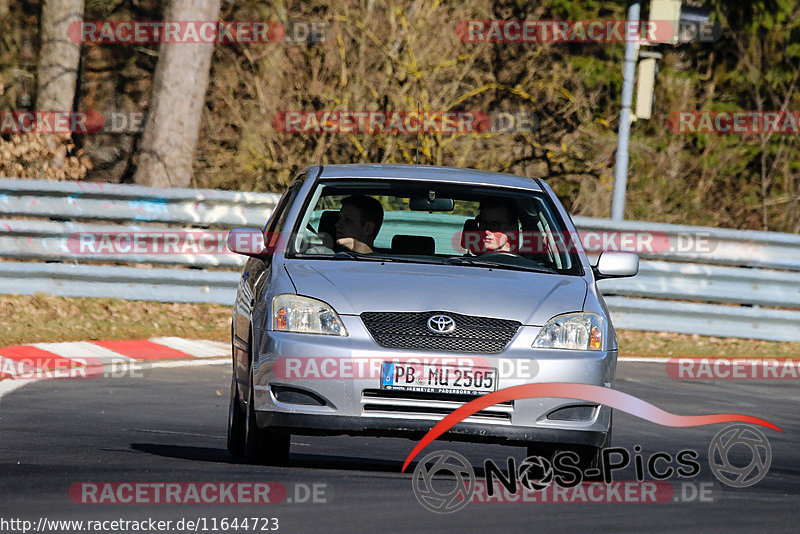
{"points": [[247, 241], [423, 204], [613, 264]]}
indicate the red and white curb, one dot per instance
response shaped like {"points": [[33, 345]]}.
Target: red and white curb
{"points": [[26, 363]]}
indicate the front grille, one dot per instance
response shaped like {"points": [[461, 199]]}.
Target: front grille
{"points": [[398, 330], [417, 405]]}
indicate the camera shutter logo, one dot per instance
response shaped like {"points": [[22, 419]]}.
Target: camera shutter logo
{"points": [[443, 462], [536, 473], [441, 324], [739, 437]]}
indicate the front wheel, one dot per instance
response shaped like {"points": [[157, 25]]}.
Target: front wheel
{"points": [[589, 458], [261, 445], [237, 424]]}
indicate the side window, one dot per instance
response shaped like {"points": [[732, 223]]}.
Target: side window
{"points": [[557, 238], [277, 221]]}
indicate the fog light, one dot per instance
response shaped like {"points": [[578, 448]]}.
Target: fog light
{"points": [[581, 412]]}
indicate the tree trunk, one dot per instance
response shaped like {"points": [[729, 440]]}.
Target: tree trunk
{"points": [[59, 58], [179, 87]]}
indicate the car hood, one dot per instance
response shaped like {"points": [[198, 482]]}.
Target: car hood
{"points": [[353, 287]]}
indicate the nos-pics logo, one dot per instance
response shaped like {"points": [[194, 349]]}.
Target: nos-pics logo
{"points": [[444, 481]]}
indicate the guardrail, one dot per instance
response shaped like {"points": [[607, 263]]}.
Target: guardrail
{"points": [[692, 279], [722, 246], [75, 201], [130, 283]]}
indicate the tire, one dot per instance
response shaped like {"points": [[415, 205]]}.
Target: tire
{"points": [[588, 457], [260, 445], [237, 423]]}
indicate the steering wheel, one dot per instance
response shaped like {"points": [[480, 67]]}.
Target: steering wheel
{"points": [[336, 247]]}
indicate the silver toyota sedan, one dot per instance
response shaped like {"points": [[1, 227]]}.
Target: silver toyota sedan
{"points": [[379, 298]]}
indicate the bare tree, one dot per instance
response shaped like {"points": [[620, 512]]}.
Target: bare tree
{"points": [[179, 88], [59, 57], [59, 62]]}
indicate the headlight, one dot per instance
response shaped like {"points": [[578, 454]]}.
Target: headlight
{"points": [[577, 331], [293, 313]]}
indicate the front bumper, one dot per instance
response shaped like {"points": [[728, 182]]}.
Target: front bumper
{"points": [[355, 405], [307, 424]]}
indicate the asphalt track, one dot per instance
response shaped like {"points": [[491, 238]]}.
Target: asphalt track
{"points": [[169, 426]]}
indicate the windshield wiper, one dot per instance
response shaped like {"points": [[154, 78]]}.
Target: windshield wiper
{"points": [[342, 255], [466, 260], [398, 259], [350, 255]]}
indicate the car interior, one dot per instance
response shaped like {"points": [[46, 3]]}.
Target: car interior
{"points": [[405, 206]]}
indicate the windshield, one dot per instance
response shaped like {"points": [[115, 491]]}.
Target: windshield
{"points": [[422, 222]]}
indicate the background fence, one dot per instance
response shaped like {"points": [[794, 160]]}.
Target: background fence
{"points": [[692, 279]]}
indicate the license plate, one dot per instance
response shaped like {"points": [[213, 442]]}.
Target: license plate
{"points": [[430, 378]]}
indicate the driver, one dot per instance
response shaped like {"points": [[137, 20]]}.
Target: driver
{"points": [[360, 219], [498, 225]]}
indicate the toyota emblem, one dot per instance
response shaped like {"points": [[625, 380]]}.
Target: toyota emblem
{"points": [[441, 324]]}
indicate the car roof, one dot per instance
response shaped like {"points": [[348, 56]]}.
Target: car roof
{"points": [[429, 173]]}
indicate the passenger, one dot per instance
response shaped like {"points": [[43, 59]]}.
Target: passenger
{"points": [[360, 220], [498, 226]]}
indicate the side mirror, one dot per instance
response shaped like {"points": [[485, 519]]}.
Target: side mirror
{"points": [[248, 242], [613, 264]]}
